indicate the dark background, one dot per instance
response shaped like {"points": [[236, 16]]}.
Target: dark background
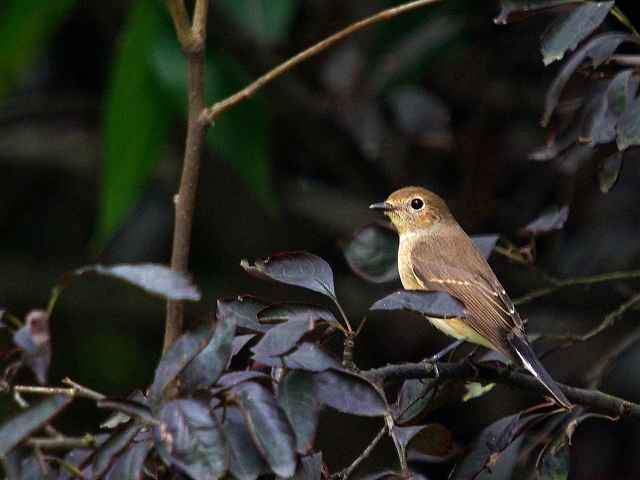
{"points": [[339, 143]]}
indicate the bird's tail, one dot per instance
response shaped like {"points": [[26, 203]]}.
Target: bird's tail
{"points": [[530, 362]]}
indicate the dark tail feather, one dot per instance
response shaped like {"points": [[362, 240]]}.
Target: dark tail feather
{"points": [[530, 362]]}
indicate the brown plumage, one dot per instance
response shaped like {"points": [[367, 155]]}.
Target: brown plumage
{"points": [[435, 254]]}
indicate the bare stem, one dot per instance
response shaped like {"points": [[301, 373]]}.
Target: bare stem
{"points": [[217, 108], [363, 456]]}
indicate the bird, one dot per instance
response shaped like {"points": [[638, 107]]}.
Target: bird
{"points": [[436, 254]]}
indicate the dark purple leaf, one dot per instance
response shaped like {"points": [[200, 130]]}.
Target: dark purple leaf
{"points": [[629, 126], [570, 28], [432, 439], [245, 463], [194, 439], [155, 279], [109, 450], [282, 338], [130, 464], [485, 243], [372, 252], [269, 427], [548, 221], [287, 311], [15, 430], [239, 342], [350, 393], [432, 304], [609, 172], [490, 443], [77, 460], [509, 7], [177, 357], [413, 399], [308, 356], [309, 467], [244, 311], [622, 90], [207, 366], [35, 341], [599, 48], [297, 397], [130, 408], [575, 157], [135, 401], [295, 268], [404, 434], [232, 379]]}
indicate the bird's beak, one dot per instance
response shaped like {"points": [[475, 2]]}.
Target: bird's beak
{"points": [[383, 207]]}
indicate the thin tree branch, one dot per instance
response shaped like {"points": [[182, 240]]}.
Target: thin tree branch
{"points": [[211, 113], [463, 371], [363, 456], [181, 21]]}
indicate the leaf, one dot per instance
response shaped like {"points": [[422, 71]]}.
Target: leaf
{"points": [[550, 220], [622, 90], [475, 390], [554, 461], [372, 252], [207, 366], [485, 243], [509, 7], [130, 408], [431, 304], [153, 278], [244, 310], [136, 120], [34, 339], [231, 379], [308, 356], [295, 268], [26, 27], [130, 464], [297, 397], [569, 29], [432, 439], [629, 126], [351, 393], [195, 440], [269, 428], [599, 48], [282, 338], [266, 20], [609, 171], [290, 311], [413, 400], [15, 430], [176, 358], [239, 342], [310, 467], [109, 450], [245, 463], [490, 443]]}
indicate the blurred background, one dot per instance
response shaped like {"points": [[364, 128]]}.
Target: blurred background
{"points": [[92, 110]]}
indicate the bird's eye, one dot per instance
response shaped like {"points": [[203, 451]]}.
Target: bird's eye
{"points": [[417, 204]]}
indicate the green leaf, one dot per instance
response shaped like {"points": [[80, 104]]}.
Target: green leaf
{"points": [[25, 28], [351, 393], [269, 428], [197, 444], [609, 172], [297, 396], [295, 268], [136, 120], [24, 424], [569, 29], [554, 463], [267, 20], [207, 366]]}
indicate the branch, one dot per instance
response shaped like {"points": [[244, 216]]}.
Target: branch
{"points": [[464, 371], [211, 114]]}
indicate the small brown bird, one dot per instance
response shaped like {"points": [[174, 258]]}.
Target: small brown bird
{"points": [[436, 254]]}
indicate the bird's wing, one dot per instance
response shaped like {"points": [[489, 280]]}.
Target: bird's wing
{"points": [[491, 312]]}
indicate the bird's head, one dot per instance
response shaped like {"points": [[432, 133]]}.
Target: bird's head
{"points": [[412, 209]]}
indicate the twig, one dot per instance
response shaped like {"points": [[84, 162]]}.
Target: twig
{"points": [[75, 390], [596, 373], [211, 113], [344, 473], [194, 47], [62, 443], [463, 371]]}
